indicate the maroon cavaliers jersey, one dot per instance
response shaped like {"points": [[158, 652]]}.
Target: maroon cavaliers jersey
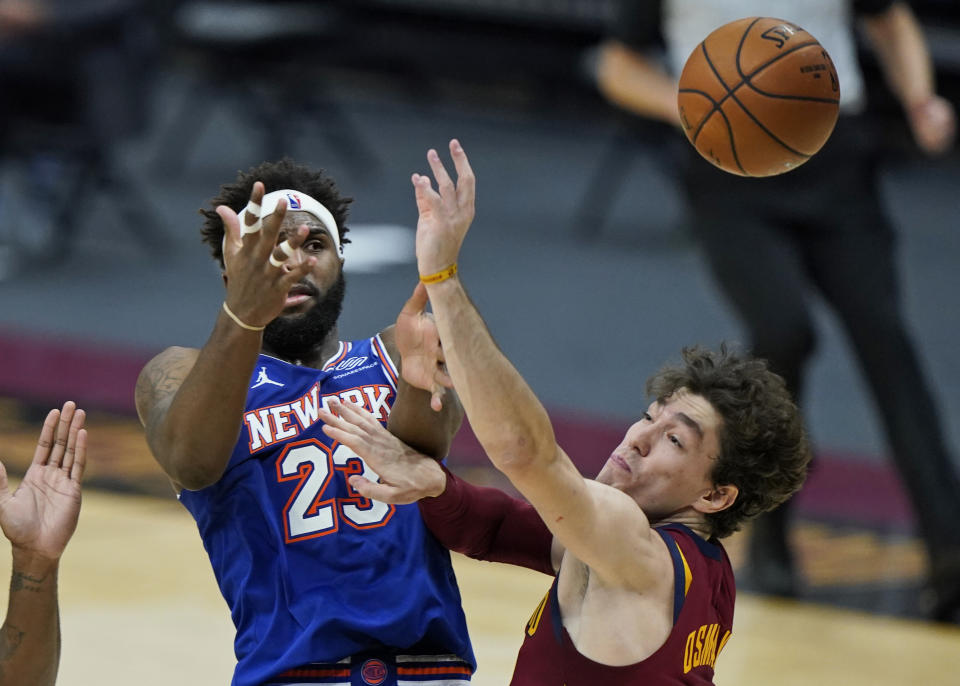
{"points": [[704, 594]]}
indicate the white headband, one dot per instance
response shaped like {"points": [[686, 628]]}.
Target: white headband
{"points": [[304, 203]]}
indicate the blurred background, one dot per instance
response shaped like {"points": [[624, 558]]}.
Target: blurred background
{"points": [[121, 118]]}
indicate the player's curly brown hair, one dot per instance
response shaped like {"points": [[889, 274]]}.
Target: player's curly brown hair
{"points": [[284, 173], [763, 444]]}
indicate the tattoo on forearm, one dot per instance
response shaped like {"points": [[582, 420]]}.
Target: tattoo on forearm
{"points": [[10, 639], [24, 582]]}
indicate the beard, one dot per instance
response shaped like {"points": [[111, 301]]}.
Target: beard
{"points": [[296, 337]]}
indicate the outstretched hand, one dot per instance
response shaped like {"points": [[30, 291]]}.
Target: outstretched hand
{"points": [[405, 475], [41, 515], [258, 270], [421, 354], [445, 213]]}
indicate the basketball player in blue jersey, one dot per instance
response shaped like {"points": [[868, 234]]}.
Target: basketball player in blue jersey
{"points": [[324, 585]]}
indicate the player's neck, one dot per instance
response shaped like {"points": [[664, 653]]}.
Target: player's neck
{"points": [[314, 357], [690, 519]]}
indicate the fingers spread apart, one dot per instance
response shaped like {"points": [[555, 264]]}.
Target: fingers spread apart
{"points": [[357, 415], [285, 251], [63, 436], [80, 461], [466, 181], [251, 216], [376, 491], [76, 444], [63, 440], [45, 442], [444, 183]]}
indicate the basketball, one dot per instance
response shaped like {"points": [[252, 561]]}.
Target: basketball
{"points": [[758, 97]]}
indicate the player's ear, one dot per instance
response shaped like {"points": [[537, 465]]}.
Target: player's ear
{"points": [[223, 275], [716, 499]]}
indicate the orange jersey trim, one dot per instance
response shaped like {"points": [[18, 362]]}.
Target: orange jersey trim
{"points": [[344, 349], [384, 359]]}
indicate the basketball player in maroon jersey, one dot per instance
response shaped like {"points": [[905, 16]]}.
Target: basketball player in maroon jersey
{"points": [[644, 592]]}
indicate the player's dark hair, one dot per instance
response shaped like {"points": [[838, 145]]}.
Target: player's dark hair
{"points": [[763, 444], [275, 176]]}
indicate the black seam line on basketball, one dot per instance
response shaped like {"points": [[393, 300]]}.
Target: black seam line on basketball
{"points": [[745, 81], [730, 94], [718, 105], [768, 132], [802, 98], [695, 91], [743, 39], [733, 145], [746, 78]]}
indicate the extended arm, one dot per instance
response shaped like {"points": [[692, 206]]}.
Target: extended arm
{"points": [[506, 416], [175, 393], [898, 41], [625, 69], [487, 524], [191, 401], [636, 82], [483, 523], [30, 637], [39, 518]]}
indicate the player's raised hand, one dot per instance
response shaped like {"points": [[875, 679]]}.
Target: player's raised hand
{"points": [[405, 475], [260, 270], [418, 341], [41, 515], [445, 213]]}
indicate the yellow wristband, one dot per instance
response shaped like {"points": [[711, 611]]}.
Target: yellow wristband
{"points": [[441, 275], [240, 322]]}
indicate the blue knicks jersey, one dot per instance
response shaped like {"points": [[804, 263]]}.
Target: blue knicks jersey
{"points": [[311, 571]]}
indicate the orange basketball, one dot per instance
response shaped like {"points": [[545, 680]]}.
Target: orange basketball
{"points": [[758, 97]]}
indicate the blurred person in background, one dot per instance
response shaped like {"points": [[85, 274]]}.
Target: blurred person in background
{"points": [[38, 519], [74, 82], [772, 242], [324, 585]]}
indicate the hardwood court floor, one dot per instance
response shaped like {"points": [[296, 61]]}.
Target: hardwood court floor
{"points": [[139, 606]]}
